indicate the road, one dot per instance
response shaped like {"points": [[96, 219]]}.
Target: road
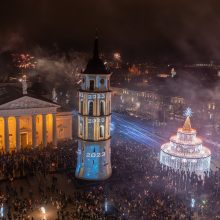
{"points": [[137, 131]]}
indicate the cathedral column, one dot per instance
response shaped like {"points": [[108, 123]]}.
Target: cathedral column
{"points": [[44, 130], [54, 130], [18, 137], [34, 141], [6, 134]]}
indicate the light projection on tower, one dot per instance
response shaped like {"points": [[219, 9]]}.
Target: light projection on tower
{"points": [[94, 120]]}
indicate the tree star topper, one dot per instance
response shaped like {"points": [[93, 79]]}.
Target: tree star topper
{"points": [[188, 112]]}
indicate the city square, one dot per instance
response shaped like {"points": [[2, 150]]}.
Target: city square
{"points": [[109, 110]]}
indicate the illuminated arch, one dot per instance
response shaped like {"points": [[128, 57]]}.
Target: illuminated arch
{"points": [[101, 131], [90, 107], [102, 107]]}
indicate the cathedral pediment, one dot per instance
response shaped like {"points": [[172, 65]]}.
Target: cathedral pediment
{"points": [[27, 102]]}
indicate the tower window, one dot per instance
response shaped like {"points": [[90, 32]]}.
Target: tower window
{"points": [[101, 131], [81, 107], [102, 107], [102, 81], [90, 108], [91, 85], [80, 129]]}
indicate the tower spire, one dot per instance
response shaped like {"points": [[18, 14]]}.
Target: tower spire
{"points": [[96, 46]]}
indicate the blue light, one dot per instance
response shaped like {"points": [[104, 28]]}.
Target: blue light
{"points": [[2, 211], [106, 205], [188, 112], [112, 126], [136, 131], [93, 163], [193, 202]]}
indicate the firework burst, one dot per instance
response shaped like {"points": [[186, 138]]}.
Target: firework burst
{"points": [[24, 61]]}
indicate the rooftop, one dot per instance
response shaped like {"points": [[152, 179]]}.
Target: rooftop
{"points": [[95, 64], [10, 93]]}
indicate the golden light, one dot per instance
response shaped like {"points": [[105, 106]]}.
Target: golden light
{"points": [[117, 56], [43, 210]]}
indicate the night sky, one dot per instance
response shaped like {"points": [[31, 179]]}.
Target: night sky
{"points": [[174, 30]]}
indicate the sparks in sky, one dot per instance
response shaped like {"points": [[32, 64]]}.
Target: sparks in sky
{"points": [[24, 61], [188, 112]]}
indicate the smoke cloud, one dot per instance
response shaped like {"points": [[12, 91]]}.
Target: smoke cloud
{"points": [[11, 41]]}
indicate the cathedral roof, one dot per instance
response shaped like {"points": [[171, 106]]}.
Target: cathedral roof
{"points": [[11, 93], [95, 64]]}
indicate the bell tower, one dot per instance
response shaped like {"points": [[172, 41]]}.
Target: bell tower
{"points": [[94, 118]]}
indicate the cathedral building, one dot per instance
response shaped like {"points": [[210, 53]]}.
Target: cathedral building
{"points": [[29, 121], [94, 118]]}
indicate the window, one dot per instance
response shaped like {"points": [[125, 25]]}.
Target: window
{"points": [[81, 107], [90, 108], [80, 129], [102, 81], [101, 131], [102, 107], [91, 85]]}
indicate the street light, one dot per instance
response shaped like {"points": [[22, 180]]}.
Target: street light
{"points": [[106, 205], [2, 211], [117, 56], [193, 202], [43, 210]]}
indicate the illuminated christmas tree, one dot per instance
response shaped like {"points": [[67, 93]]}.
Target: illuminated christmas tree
{"points": [[185, 150]]}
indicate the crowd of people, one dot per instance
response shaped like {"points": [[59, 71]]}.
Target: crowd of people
{"points": [[140, 188], [160, 191]]}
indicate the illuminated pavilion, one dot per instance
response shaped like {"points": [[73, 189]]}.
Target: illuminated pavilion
{"points": [[28, 121], [185, 151]]}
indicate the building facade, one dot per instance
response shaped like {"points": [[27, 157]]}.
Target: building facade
{"points": [[29, 122], [94, 118]]}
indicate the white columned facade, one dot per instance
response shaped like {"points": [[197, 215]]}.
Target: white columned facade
{"points": [[34, 141], [54, 130], [44, 130], [6, 134], [18, 137], [19, 127]]}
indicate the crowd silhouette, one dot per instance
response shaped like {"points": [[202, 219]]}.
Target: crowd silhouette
{"points": [[140, 188]]}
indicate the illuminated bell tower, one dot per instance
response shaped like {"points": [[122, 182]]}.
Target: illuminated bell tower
{"points": [[94, 118]]}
